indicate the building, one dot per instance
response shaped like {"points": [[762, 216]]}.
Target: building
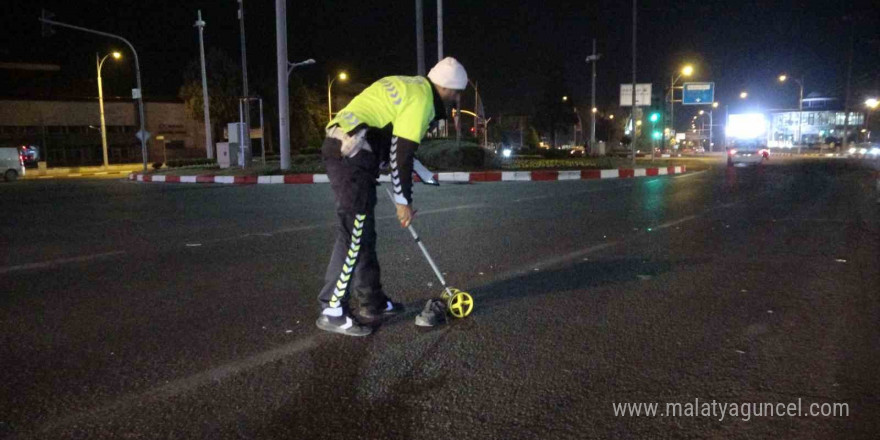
{"points": [[822, 121], [68, 132]]}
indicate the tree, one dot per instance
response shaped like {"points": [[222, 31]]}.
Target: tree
{"points": [[223, 77], [308, 115]]}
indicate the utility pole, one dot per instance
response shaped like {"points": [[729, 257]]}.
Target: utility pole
{"points": [[439, 30], [245, 140], [442, 128], [420, 39], [711, 128], [206, 104], [846, 98], [672, 110], [593, 59], [634, 112], [283, 77]]}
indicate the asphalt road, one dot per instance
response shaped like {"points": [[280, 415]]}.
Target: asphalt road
{"points": [[133, 310]]}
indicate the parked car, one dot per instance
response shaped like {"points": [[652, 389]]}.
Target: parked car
{"points": [[11, 164]]}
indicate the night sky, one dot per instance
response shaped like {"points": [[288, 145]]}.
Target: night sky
{"points": [[519, 52]]}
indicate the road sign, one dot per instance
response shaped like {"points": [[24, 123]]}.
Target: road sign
{"points": [[698, 93], [135, 93], [643, 95], [142, 135]]}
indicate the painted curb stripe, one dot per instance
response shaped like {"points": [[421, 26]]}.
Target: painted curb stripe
{"points": [[485, 176], [457, 176], [569, 175], [591, 174], [299, 178], [544, 175]]}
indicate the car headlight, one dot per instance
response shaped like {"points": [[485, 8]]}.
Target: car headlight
{"points": [[852, 151], [506, 152]]}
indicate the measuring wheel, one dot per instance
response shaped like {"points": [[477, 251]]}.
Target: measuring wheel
{"points": [[459, 303]]}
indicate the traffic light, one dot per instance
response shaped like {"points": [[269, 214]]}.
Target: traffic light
{"points": [[656, 134], [654, 117]]}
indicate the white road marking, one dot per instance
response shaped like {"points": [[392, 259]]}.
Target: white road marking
{"points": [[186, 384], [52, 263], [675, 222], [690, 174]]}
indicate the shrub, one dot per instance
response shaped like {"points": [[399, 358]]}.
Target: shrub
{"points": [[177, 163], [310, 150], [157, 165], [446, 154], [552, 153]]}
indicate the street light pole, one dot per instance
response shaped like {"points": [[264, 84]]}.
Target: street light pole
{"points": [[634, 108], [330, 82], [206, 104], [672, 81], [284, 69], [800, 114], [143, 135], [245, 141], [593, 59], [100, 63]]}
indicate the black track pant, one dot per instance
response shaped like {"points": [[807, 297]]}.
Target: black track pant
{"points": [[354, 265]]}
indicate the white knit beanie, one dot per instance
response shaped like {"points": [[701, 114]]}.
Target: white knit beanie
{"points": [[449, 73]]}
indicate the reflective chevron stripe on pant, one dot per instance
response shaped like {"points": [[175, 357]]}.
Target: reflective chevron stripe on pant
{"points": [[350, 260]]}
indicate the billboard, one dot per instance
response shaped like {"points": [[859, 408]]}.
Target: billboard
{"points": [[746, 126], [698, 93], [643, 95]]}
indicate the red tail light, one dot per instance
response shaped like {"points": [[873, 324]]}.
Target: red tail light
{"points": [[732, 151]]}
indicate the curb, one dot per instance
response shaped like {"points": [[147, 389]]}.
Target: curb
{"points": [[33, 176], [460, 177]]}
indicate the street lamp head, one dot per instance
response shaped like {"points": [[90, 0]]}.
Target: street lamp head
{"points": [[782, 78], [564, 98], [714, 105], [639, 122], [610, 116], [687, 70], [701, 112], [343, 76], [872, 103], [117, 55], [595, 110], [743, 95]]}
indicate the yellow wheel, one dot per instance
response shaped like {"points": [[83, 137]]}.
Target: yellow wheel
{"points": [[461, 304], [448, 293]]}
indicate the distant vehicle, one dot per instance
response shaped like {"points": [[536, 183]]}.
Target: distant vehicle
{"points": [[864, 151], [30, 154], [747, 155], [11, 164]]}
